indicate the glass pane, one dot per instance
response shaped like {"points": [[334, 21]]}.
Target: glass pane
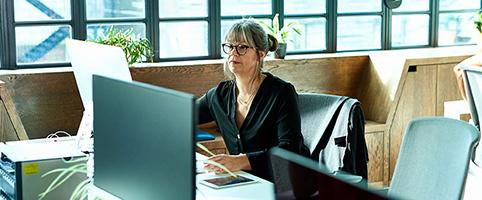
{"points": [[359, 32], [459, 4], [353, 6], [245, 7], [313, 35], [226, 25], [414, 5], [410, 30], [96, 30], [177, 39], [183, 8], [115, 9], [305, 7], [457, 28], [41, 10], [46, 45]]}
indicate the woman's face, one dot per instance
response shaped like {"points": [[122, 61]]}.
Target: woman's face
{"points": [[242, 59]]}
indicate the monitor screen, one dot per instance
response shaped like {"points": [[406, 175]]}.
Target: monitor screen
{"points": [[143, 140], [298, 177], [88, 58]]}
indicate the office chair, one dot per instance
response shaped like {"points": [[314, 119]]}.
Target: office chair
{"points": [[434, 159], [473, 86], [324, 121]]}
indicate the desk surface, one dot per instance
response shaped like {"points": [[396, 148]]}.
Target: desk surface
{"points": [[262, 190]]}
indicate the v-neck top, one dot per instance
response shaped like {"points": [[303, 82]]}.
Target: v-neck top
{"points": [[273, 119]]}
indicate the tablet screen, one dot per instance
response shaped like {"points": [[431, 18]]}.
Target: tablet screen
{"points": [[228, 181]]}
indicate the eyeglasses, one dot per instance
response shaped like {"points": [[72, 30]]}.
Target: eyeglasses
{"points": [[241, 49]]}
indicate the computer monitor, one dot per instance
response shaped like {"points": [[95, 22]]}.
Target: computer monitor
{"points": [[88, 58], [298, 177], [473, 85], [144, 140]]}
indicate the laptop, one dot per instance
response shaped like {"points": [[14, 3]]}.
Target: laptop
{"points": [[298, 177]]}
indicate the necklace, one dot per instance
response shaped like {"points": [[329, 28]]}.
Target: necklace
{"points": [[246, 101]]}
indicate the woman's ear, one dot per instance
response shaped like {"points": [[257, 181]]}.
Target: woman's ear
{"points": [[262, 54]]}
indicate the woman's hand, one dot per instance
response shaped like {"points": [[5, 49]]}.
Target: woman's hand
{"points": [[231, 162]]}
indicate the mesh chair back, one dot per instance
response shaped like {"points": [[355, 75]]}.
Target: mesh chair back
{"points": [[434, 159]]}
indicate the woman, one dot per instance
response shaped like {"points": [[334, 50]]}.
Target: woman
{"points": [[254, 110]]}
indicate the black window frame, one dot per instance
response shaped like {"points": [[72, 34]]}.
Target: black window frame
{"points": [[79, 23]]}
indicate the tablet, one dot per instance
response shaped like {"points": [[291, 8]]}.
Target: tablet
{"points": [[227, 181]]}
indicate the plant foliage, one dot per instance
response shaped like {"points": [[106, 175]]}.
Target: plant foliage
{"points": [[135, 48], [478, 22], [281, 33]]}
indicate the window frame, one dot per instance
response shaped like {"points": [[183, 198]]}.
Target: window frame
{"points": [[79, 23]]}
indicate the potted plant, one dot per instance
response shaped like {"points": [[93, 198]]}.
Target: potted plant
{"points": [[135, 48], [281, 34], [478, 25]]}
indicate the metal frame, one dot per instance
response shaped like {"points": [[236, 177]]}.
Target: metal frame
{"points": [[79, 24]]}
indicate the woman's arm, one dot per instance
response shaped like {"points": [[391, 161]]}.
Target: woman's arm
{"points": [[472, 61]]}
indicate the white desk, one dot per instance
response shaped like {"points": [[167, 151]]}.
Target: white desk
{"points": [[262, 190]]}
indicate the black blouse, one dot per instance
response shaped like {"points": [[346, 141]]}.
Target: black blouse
{"points": [[272, 120]]}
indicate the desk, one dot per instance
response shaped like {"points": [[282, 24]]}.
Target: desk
{"points": [[262, 190]]}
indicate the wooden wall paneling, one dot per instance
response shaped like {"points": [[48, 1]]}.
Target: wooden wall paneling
{"points": [[447, 89], [45, 103], [339, 76], [196, 79], [418, 98], [7, 132], [376, 148], [380, 83], [11, 114]]}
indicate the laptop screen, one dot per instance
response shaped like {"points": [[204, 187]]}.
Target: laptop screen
{"points": [[298, 177]]}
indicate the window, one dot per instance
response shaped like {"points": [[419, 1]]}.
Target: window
{"points": [[311, 15], [359, 25], [411, 23], [50, 21], [183, 28], [456, 24], [195, 29]]}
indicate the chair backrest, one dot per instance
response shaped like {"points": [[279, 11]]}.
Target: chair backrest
{"points": [[473, 86], [434, 159]]}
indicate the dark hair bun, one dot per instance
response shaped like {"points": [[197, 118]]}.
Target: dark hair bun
{"points": [[272, 43]]}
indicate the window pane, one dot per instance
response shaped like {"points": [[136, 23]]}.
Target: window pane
{"points": [[312, 35], [359, 32], [410, 30], [183, 8], [459, 4], [41, 10], [245, 7], [177, 39], [96, 30], [46, 45], [457, 28], [414, 5], [305, 7], [115, 9], [352, 6]]}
